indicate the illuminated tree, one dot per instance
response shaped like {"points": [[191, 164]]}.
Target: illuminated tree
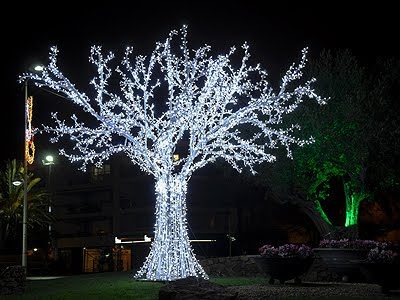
{"points": [[340, 151], [207, 100], [353, 157]]}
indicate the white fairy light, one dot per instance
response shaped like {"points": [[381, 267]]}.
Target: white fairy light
{"points": [[208, 99]]}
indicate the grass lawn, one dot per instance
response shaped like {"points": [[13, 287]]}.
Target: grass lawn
{"points": [[112, 285]]}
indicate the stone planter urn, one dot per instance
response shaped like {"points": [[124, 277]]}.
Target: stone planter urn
{"points": [[343, 261], [283, 269]]}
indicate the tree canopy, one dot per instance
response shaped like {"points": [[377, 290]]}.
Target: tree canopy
{"points": [[356, 137]]}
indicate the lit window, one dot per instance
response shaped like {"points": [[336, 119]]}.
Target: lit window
{"points": [[99, 172]]}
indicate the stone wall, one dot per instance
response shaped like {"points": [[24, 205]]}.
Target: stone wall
{"points": [[233, 266], [244, 266], [12, 280]]}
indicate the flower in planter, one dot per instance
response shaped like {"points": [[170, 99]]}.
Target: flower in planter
{"points": [[382, 255], [286, 251], [356, 244], [382, 266], [384, 252], [344, 256], [348, 244]]}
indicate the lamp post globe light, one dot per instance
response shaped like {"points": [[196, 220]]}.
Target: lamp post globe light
{"points": [[48, 160], [38, 68], [17, 182]]}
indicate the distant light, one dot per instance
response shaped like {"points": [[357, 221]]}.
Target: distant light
{"points": [[175, 157], [38, 68], [35, 249], [146, 239], [202, 241], [50, 158], [17, 182]]}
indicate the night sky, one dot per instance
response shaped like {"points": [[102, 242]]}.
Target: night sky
{"points": [[275, 33]]}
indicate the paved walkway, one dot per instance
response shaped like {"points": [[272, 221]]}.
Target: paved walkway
{"points": [[43, 277], [314, 290]]}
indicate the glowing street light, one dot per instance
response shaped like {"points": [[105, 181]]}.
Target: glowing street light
{"points": [[49, 160], [38, 68], [17, 182]]}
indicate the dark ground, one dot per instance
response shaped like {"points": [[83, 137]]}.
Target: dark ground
{"points": [[326, 290]]}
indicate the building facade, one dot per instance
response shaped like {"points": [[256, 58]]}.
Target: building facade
{"points": [[105, 216]]}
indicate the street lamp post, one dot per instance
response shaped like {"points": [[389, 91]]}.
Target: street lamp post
{"points": [[49, 161], [25, 205], [28, 157]]}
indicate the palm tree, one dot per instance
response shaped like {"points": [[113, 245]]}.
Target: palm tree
{"points": [[12, 197]]}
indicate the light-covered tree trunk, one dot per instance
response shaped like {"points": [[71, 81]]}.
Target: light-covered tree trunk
{"points": [[171, 255]]}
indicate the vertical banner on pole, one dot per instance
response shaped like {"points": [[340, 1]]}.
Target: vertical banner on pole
{"points": [[29, 144]]}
